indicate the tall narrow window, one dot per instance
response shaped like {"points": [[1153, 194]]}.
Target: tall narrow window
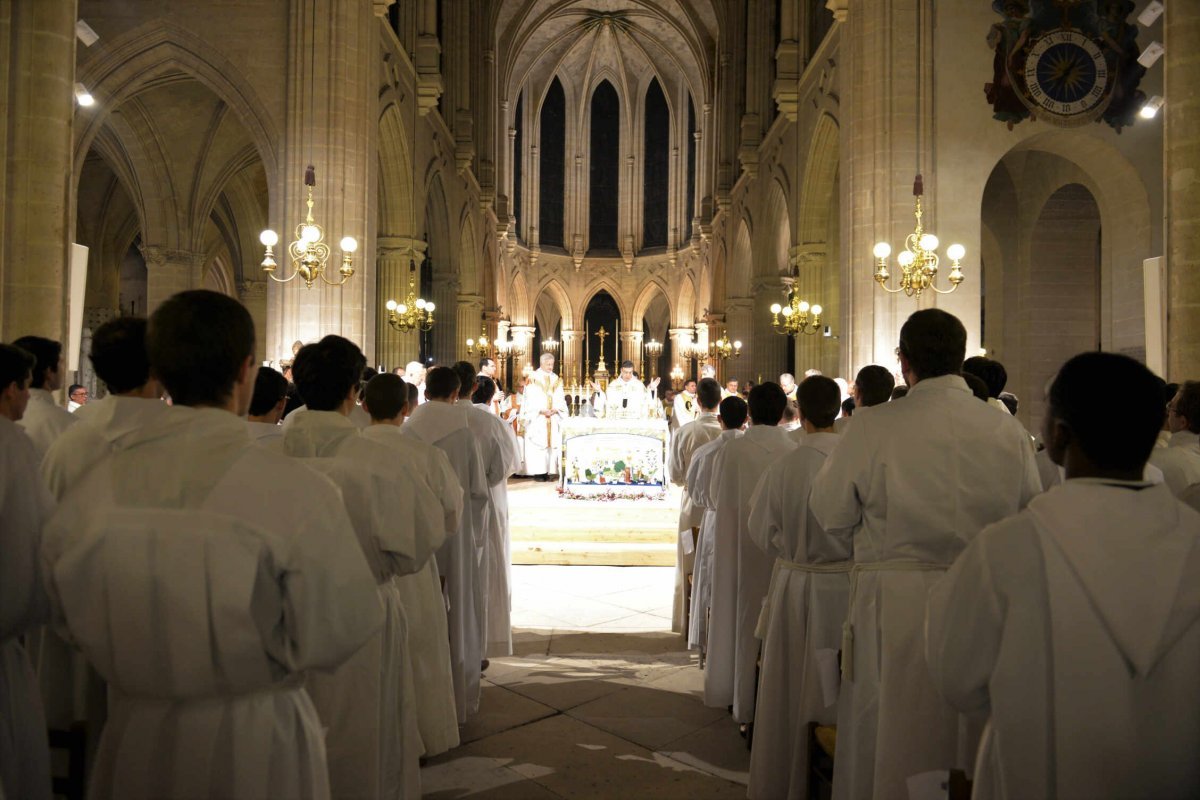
{"points": [[550, 175], [517, 171], [657, 173], [690, 211], [604, 175]]}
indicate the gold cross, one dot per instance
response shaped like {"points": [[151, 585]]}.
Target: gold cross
{"points": [[602, 335]]}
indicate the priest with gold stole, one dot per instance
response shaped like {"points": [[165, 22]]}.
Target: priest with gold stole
{"points": [[627, 397], [542, 411]]}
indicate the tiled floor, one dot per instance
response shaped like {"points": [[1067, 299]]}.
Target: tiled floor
{"points": [[599, 700]]}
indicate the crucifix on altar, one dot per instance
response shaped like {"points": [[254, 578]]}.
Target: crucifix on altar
{"points": [[601, 374]]}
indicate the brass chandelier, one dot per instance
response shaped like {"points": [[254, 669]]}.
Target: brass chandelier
{"points": [[723, 348], [798, 316], [415, 313], [919, 259], [309, 252], [479, 347]]}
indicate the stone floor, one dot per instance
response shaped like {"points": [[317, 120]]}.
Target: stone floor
{"points": [[599, 700]]}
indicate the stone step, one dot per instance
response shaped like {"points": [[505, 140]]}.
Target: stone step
{"points": [[591, 553], [551, 530]]}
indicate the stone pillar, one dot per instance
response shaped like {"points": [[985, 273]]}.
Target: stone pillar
{"points": [[169, 272], [522, 336], [570, 365], [739, 319], [427, 59], [395, 253], [446, 333], [1181, 143], [37, 75], [470, 324], [631, 349], [332, 123], [253, 295]]}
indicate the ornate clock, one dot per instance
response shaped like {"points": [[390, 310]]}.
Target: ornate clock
{"points": [[1066, 78]]}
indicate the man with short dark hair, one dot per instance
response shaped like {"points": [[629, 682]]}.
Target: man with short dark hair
{"points": [[741, 571], [1180, 459], [1073, 624], [731, 417], [216, 554], [77, 397], [909, 485], [684, 444], [24, 507], [684, 407], [994, 377], [805, 604], [626, 396], [872, 387], [266, 407], [487, 369], [731, 389], [44, 420]]}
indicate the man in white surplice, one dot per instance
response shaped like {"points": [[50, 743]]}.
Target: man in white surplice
{"points": [[498, 446], [731, 417], [805, 607], [910, 484], [444, 424], [686, 407], [686, 441], [386, 400], [24, 506], [202, 591], [1074, 623], [44, 419], [740, 570], [627, 397], [542, 410], [266, 408], [369, 704], [1180, 459]]}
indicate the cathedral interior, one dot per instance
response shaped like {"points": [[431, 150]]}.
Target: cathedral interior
{"points": [[666, 170]]}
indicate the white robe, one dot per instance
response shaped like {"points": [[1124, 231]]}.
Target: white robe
{"points": [[44, 420], [910, 484], [421, 596], [203, 623], [684, 444], [1179, 461], [699, 482], [1074, 624], [266, 434], [802, 630], [369, 704], [542, 437], [684, 409], [446, 427], [498, 446], [740, 571], [24, 507], [626, 399]]}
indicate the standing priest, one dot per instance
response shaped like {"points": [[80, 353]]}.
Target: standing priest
{"points": [[627, 397], [542, 411]]}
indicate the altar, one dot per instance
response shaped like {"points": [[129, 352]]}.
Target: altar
{"points": [[614, 458]]}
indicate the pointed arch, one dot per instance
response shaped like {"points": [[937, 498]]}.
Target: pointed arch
{"points": [[518, 301], [554, 291], [646, 297], [552, 142], [685, 307], [395, 175], [594, 288], [818, 192], [604, 167]]}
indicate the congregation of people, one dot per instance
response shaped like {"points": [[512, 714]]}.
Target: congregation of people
{"points": [[290, 584]]}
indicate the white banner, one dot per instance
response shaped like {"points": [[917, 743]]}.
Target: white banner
{"points": [[76, 289]]}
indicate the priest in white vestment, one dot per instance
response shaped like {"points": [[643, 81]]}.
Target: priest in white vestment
{"points": [[787, 382], [443, 424], [498, 446], [1180, 459], [266, 408], [686, 408], [414, 375], [44, 419], [1074, 623], [741, 571], [543, 409], [686, 441], [386, 399], [627, 397], [806, 603], [369, 704], [24, 506], [910, 484], [202, 592], [732, 418]]}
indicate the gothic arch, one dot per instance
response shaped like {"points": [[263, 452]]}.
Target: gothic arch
{"points": [[518, 301], [685, 307], [606, 285], [646, 297], [818, 192], [395, 175], [554, 292]]}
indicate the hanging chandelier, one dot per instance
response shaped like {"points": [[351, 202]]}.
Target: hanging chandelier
{"points": [[308, 252], [798, 316], [415, 313], [919, 259], [653, 348], [478, 347], [722, 348], [550, 345]]}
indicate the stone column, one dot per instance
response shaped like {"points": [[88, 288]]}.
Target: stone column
{"points": [[739, 319], [446, 333], [253, 295], [470, 324], [37, 75], [395, 253], [169, 272], [522, 336], [572, 355], [631, 349], [1181, 143]]}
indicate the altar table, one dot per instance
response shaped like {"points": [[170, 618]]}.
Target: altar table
{"points": [[614, 457]]}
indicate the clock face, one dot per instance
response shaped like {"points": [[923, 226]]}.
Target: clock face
{"points": [[1066, 77]]}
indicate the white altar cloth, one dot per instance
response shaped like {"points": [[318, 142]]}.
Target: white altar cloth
{"points": [[614, 457]]}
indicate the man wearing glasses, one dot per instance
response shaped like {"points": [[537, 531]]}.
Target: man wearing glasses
{"points": [[1180, 459], [77, 396]]}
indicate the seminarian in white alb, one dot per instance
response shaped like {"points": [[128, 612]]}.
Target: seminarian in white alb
{"points": [[770, 399]]}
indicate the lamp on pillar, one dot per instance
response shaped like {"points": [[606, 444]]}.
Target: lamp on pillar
{"points": [[723, 349], [676, 378], [479, 347], [798, 316], [309, 252], [919, 259], [653, 350]]}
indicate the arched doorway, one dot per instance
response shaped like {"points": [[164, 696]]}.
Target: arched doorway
{"points": [[602, 312]]}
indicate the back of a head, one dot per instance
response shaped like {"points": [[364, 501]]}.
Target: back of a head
{"points": [[990, 371], [47, 354], [414, 395], [977, 386], [820, 400], [766, 403], [385, 396], [441, 383], [119, 354], [326, 372], [269, 388], [1010, 402], [15, 365], [791, 413], [1187, 404], [848, 407], [466, 373], [197, 342], [934, 342], [733, 411], [485, 390], [875, 385], [900, 391], [484, 363], [367, 374], [1072, 400], [1169, 390], [708, 393]]}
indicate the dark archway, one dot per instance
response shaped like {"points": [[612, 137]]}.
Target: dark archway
{"points": [[602, 311]]}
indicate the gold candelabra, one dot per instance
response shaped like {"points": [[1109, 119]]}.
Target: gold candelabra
{"points": [[415, 313], [550, 345], [798, 316], [723, 348], [676, 378], [479, 347], [309, 252], [919, 259]]}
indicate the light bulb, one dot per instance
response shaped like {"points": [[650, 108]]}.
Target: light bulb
{"points": [[956, 251], [310, 233], [269, 238], [349, 244], [391, 305], [737, 345], [905, 258], [816, 311], [882, 250], [421, 303], [787, 311], [83, 96], [929, 242], [803, 307], [429, 307], [776, 308], [470, 342]]}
